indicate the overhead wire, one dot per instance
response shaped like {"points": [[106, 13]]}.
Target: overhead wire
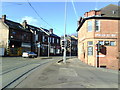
{"points": [[40, 16], [74, 9]]}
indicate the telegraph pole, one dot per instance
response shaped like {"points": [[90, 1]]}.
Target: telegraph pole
{"points": [[64, 56]]}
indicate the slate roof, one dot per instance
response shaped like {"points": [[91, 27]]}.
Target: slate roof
{"points": [[54, 35], [33, 28], [14, 25], [110, 11]]}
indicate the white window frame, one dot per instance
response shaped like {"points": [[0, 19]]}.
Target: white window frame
{"points": [[98, 26], [89, 25]]}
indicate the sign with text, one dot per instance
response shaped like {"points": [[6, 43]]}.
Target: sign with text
{"points": [[105, 35]]}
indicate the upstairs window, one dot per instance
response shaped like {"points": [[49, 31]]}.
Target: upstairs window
{"points": [[97, 25], [57, 40], [89, 26], [53, 40], [43, 39]]}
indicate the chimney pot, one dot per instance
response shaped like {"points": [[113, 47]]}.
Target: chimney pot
{"points": [[3, 18], [24, 23], [51, 31]]}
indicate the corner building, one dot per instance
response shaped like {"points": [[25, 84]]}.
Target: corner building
{"points": [[99, 27]]}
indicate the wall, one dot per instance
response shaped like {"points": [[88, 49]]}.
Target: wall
{"points": [[4, 34], [108, 32]]}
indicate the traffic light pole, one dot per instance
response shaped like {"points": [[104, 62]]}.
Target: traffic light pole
{"points": [[64, 56]]}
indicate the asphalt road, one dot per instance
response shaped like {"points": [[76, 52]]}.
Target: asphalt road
{"points": [[73, 74], [15, 69]]}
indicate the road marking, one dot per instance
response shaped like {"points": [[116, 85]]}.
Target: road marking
{"points": [[67, 72]]}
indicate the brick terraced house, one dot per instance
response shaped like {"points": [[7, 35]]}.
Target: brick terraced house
{"points": [[13, 37], [16, 38], [99, 27]]}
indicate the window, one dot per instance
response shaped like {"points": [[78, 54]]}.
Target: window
{"points": [[90, 48], [106, 43], [53, 40], [89, 26], [97, 25], [57, 40], [90, 43], [50, 39], [90, 51], [101, 42], [43, 39], [112, 43]]}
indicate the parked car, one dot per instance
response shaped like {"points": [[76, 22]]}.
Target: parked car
{"points": [[29, 54]]}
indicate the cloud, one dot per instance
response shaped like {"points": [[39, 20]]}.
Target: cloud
{"points": [[30, 20]]}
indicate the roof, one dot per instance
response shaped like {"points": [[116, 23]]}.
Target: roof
{"points": [[109, 12], [33, 28], [14, 25], [54, 35]]}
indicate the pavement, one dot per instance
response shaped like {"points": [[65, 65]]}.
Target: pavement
{"points": [[73, 74]]}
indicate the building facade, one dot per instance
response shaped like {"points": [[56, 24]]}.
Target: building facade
{"points": [[99, 27], [72, 45], [14, 38], [44, 42]]}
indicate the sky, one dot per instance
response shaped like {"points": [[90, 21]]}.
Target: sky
{"points": [[51, 14]]}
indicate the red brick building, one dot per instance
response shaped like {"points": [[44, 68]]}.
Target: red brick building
{"points": [[14, 37], [99, 27]]}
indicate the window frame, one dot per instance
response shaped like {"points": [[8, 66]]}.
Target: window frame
{"points": [[114, 43], [88, 51], [89, 26], [97, 25]]}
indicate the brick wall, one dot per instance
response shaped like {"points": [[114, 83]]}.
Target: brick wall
{"points": [[108, 32]]}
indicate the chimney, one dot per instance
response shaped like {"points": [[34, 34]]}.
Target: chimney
{"points": [[86, 14], [79, 21], [3, 18], [51, 31], [24, 23]]}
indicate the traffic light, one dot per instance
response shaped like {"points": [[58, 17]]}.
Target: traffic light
{"points": [[98, 47], [63, 43], [68, 45]]}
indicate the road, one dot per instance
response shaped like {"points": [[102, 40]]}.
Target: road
{"points": [[14, 69], [73, 74]]}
